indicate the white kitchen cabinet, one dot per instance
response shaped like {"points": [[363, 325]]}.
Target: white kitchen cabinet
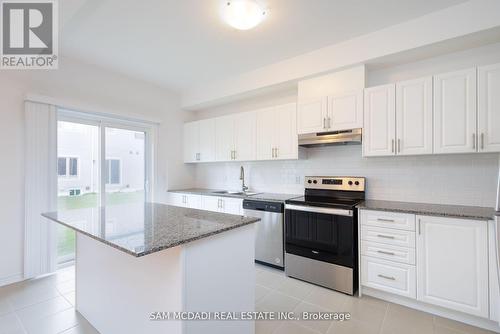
{"points": [[245, 127], [199, 141], [277, 132], [222, 204], [489, 108], [192, 201], [414, 117], [224, 138], [312, 115], [206, 151], [380, 121], [452, 263], [191, 141], [455, 112], [345, 111]]}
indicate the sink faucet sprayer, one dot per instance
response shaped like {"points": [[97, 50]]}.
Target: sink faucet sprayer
{"points": [[244, 188]]}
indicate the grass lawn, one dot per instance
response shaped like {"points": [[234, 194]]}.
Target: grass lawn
{"points": [[66, 236]]}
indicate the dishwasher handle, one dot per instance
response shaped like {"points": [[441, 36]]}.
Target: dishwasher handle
{"points": [[265, 206]]}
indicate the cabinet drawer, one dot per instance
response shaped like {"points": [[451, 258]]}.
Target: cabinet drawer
{"points": [[388, 236], [400, 221], [388, 276], [388, 252]]}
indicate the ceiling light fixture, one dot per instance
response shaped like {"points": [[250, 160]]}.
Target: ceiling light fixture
{"points": [[243, 14]]}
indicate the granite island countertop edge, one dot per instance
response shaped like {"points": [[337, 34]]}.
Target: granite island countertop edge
{"points": [[248, 221]]}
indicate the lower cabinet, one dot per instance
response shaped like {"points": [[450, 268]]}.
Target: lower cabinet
{"points": [[436, 260], [221, 204], [184, 200], [452, 264]]}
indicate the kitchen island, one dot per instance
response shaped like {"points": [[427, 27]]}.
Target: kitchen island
{"points": [[136, 263]]}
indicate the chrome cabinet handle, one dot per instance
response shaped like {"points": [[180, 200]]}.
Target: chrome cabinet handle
{"points": [[384, 252], [474, 141], [482, 141], [419, 226], [324, 122], [387, 277], [385, 220], [329, 122], [392, 146], [315, 252], [399, 145], [277, 152], [385, 236]]}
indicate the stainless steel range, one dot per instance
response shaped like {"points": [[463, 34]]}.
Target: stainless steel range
{"points": [[321, 232]]}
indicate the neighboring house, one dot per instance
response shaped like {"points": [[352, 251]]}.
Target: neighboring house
{"points": [[78, 159]]}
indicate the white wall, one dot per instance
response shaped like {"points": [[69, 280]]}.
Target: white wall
{"points": [[85, 87], [467, 179]]}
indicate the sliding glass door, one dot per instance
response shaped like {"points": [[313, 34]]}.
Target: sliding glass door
{"points": [[100, 162]]}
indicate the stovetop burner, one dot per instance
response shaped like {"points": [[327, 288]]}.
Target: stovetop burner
{"points": [[333, 192]]}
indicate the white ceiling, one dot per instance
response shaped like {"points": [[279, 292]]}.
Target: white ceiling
{"points": [[179, 43]]}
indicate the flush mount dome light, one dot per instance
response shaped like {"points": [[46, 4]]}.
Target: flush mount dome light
{"points": [[243, 14]]}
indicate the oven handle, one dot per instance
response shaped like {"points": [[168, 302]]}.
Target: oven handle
{"points": [[338, 212]]}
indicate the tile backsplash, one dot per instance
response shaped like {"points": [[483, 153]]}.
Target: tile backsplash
{"points": [[464, 179]]}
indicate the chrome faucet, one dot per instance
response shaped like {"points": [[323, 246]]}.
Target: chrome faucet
{"points": [[244, 188]]}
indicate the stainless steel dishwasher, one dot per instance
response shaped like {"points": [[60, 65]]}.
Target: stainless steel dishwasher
{"points": [[269, 248]]}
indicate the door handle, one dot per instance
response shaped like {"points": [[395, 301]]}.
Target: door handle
{"points": [[387, 277], [384, 252], [385, 236], [392, 146]]}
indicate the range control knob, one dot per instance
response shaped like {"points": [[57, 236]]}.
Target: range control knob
{"points": [[315, 181], [349, 183], [356, 183], [309, 181]]}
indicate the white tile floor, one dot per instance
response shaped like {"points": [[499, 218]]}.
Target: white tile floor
{"points": [[46, 306]]}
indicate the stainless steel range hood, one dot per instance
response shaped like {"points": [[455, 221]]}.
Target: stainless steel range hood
{"points": [[343, 137]]}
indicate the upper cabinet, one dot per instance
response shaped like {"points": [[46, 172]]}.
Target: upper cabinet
{"points": [[380, 121], [199, 141], [414, 117], [277, 132], [455, 128], [264, 134], [331, 102], [488, 119]]}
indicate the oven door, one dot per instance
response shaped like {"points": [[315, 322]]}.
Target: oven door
{"points": [[319, 233]]}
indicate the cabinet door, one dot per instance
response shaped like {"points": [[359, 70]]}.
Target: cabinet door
{"points": [[232, 205], [312, 114], [452, 264], [207, 140], [191, 141], [245, 125], [489, 108], [455, 112], [345, 111], [266, 127], [193, 201], [211, 203], [380, 121], [176, 199], [414, 117], [286, 138], [224, 138]]}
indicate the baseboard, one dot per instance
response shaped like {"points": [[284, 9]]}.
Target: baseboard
{"points": [[436, 310], [11, 279]]}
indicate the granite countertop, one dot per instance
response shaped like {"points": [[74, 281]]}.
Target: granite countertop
{"points": [[258, 196], [145, 228], [453, 211]]}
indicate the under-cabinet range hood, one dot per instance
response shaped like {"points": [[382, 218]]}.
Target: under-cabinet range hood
{"points": [[343, 137]]}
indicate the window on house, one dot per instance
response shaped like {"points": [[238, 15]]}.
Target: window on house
{"points": [[113, 174], [67, 167]]}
